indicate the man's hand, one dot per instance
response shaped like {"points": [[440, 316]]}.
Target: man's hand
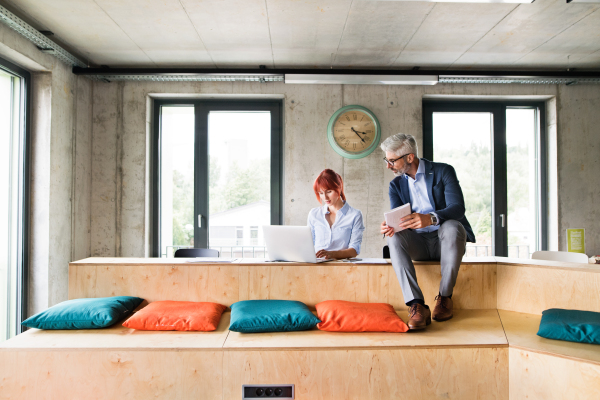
{"points": [[415, 221], [387, 230]]}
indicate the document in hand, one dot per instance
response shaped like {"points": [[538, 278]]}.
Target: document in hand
{"points": [[392, 218]]}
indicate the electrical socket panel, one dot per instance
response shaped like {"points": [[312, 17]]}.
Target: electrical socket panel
{"points": [[267, 391]]}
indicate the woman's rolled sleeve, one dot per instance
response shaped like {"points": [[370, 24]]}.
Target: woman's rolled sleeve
{"points": [[358, 229]]}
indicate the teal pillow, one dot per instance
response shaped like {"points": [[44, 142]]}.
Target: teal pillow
{"points": [[251, 316], [571, 325], [84, 313]]}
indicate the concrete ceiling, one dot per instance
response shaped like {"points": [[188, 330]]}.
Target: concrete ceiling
{"points": [[547, 34]]}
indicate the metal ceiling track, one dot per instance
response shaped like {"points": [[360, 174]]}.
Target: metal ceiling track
{"points": [[279, 75], [40, 40]]}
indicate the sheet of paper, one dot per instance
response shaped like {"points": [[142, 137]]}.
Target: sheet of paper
{"points": [[393, 217], [212, 260]]}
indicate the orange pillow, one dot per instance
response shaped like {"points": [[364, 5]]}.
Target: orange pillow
{"points": [[347, 316], [177, 316]]}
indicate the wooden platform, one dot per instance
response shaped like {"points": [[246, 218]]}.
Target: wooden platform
{"points": [[118, 337], [178, 279], [322, 365], [530, 288], [469, 328], [489, 350], [548, 369]]}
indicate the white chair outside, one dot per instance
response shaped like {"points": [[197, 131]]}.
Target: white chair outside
{"points": [[563, 256]]}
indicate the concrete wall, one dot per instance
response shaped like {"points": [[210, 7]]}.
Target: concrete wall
{"points": [[61, 124], [578, 143], [120, 126]]}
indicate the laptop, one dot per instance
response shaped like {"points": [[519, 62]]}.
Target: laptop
{"points": [[290, 243]]}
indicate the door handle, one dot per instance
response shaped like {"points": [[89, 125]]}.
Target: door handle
{"points": [[502, 224], [199, 220]]}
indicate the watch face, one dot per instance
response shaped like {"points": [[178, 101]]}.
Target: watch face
{"points": [[354, 131]]}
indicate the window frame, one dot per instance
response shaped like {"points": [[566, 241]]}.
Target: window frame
{"points": [[202, 107], [499, 158], [24, 183]]}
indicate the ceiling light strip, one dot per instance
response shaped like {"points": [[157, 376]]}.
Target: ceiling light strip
{"points": [[528, 80], [41, 41], [193, 78], [360, 79], [468, 1]]}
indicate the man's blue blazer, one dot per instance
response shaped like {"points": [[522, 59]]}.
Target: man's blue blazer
{"points": [[444, 193]]}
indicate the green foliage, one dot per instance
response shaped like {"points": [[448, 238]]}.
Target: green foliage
{"points": [[473, 167], [474, 171], [214, 172], [518, 178], [183, 209], [242, 186]]}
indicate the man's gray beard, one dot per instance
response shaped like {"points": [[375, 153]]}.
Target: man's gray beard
{"points": [[403, 170]]}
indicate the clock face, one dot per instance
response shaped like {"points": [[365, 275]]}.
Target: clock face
{"points": [[354, 131]]}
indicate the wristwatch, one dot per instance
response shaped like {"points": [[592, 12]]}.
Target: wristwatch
{"points": [[434, 219]]}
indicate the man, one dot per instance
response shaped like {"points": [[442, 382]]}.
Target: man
{"points": [[436, 230]]}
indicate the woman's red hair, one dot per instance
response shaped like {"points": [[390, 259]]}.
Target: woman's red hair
{"points": [[328, 179]]}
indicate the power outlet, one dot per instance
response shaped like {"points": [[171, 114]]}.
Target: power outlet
{"points": [[267, 391]]}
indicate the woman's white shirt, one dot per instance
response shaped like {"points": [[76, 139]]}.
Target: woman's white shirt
{"points": [[346, 232]]}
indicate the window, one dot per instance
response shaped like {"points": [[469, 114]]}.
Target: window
{"points": [[217, 174], [498, 152], [254, 235], [239, 235], [14, 83]]}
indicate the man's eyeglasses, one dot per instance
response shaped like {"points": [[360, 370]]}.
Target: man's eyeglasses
{"points": [[391, 162]]}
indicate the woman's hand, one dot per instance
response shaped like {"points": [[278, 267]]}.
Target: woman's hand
{"points": [[387, 230], [324, 254]]}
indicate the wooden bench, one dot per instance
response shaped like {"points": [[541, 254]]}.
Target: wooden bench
{"points": [[490, 351], [123, 363], [178, 279], [548, 369], [113, 363]]}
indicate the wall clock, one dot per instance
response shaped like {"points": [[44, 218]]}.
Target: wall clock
{"points": [[353, 131]]}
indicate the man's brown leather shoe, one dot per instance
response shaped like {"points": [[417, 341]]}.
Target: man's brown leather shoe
{"points": [[419, 316], [443, 308]]}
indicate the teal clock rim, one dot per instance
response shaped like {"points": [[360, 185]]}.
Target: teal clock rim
{"points": [[343, 152]]}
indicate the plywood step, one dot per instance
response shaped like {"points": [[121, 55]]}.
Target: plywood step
{"points": [[548, 369], [468, 328]]}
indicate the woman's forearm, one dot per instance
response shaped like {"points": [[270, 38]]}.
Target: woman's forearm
{"points": [[339, 254]]}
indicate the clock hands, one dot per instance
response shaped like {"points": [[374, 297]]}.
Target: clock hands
{"points": [[357, 134], [355, 131]]}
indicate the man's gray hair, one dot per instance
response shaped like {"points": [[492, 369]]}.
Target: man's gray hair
{"points": [[400, 144]]}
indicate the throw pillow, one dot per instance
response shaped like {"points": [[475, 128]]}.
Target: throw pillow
{"points": [[251, 316], [177, 316], [347, 316], [84, 313], [570, 325]]}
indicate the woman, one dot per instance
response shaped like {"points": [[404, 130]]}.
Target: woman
{"points": [[337, 228]]}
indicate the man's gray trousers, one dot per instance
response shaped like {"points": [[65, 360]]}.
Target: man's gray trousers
{"points": [[446, 245]]}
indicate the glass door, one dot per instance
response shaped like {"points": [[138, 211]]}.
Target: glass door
{"points": [[464, 140], [497, 150], [12, 203], [239, 181], [524, 220], [218, 175], [177, 178]]}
